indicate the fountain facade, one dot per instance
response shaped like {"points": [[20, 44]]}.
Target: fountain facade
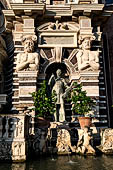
{"points": [[40, 38]]}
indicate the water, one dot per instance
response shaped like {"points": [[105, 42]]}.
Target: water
{"points": [[63, 163]]}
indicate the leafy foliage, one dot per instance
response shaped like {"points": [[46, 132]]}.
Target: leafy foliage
{"points": [[81, 103], [44, 103]]}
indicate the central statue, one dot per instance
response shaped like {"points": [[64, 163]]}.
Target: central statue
{"points": [[59, 85]]}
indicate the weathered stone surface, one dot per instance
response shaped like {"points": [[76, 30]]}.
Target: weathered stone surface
{"points": [[18, 151], [85, 57], [28, 60], [5, 150], [40, 140], [12, 137], [107, 141], [64, 142], [84, 145]]}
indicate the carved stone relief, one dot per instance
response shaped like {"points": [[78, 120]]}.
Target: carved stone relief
{"points": [[5, 150], [58, 34], [39, 142], [64, 141], [106, 141], [12, 138], [29, 60], [85, 57], [18, 148], [58, 26], [11, 127], [57, 54], [84, 142]]}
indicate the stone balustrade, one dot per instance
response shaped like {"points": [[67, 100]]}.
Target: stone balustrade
{"points": [[12, 137]]}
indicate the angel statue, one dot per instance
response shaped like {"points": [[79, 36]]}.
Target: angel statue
{"points": [[59, 85]]}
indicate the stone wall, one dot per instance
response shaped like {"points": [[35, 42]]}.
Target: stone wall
{"points": [[107, 32]]}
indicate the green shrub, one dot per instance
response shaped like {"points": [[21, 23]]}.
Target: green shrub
{"points": [[81, 103], [44, 103]]}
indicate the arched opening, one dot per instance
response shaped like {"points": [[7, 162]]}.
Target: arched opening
{"points": [[52, 68]]}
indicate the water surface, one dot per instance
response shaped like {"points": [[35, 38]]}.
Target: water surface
{"points": [[63, 163]]}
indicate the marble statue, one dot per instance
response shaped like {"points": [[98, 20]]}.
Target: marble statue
{"points": [[87, 58], [29, 60], [59, 85]]}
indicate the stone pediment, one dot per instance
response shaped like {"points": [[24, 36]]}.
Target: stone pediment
{"points": [[53, 34], [64, 26]]}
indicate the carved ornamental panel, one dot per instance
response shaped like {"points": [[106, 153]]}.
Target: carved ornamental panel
{"points": [[58, 34]]}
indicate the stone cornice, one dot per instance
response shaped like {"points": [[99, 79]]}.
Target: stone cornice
{"points": [[58, 10], [9, 13], [87, 9], [23, 9], [19, 8], [92, 7]]}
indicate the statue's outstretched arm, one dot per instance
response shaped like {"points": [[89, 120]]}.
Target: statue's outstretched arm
{"points": [[68, 89], [52, 78]]}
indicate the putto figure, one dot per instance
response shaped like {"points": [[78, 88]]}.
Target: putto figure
{"points": [[85, 57], [29, 60]]}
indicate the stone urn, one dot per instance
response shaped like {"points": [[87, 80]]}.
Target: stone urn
{"points": [[85, 121]]}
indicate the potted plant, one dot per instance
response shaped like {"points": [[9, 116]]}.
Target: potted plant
{"points": [[44, 104], [81, 104]]}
